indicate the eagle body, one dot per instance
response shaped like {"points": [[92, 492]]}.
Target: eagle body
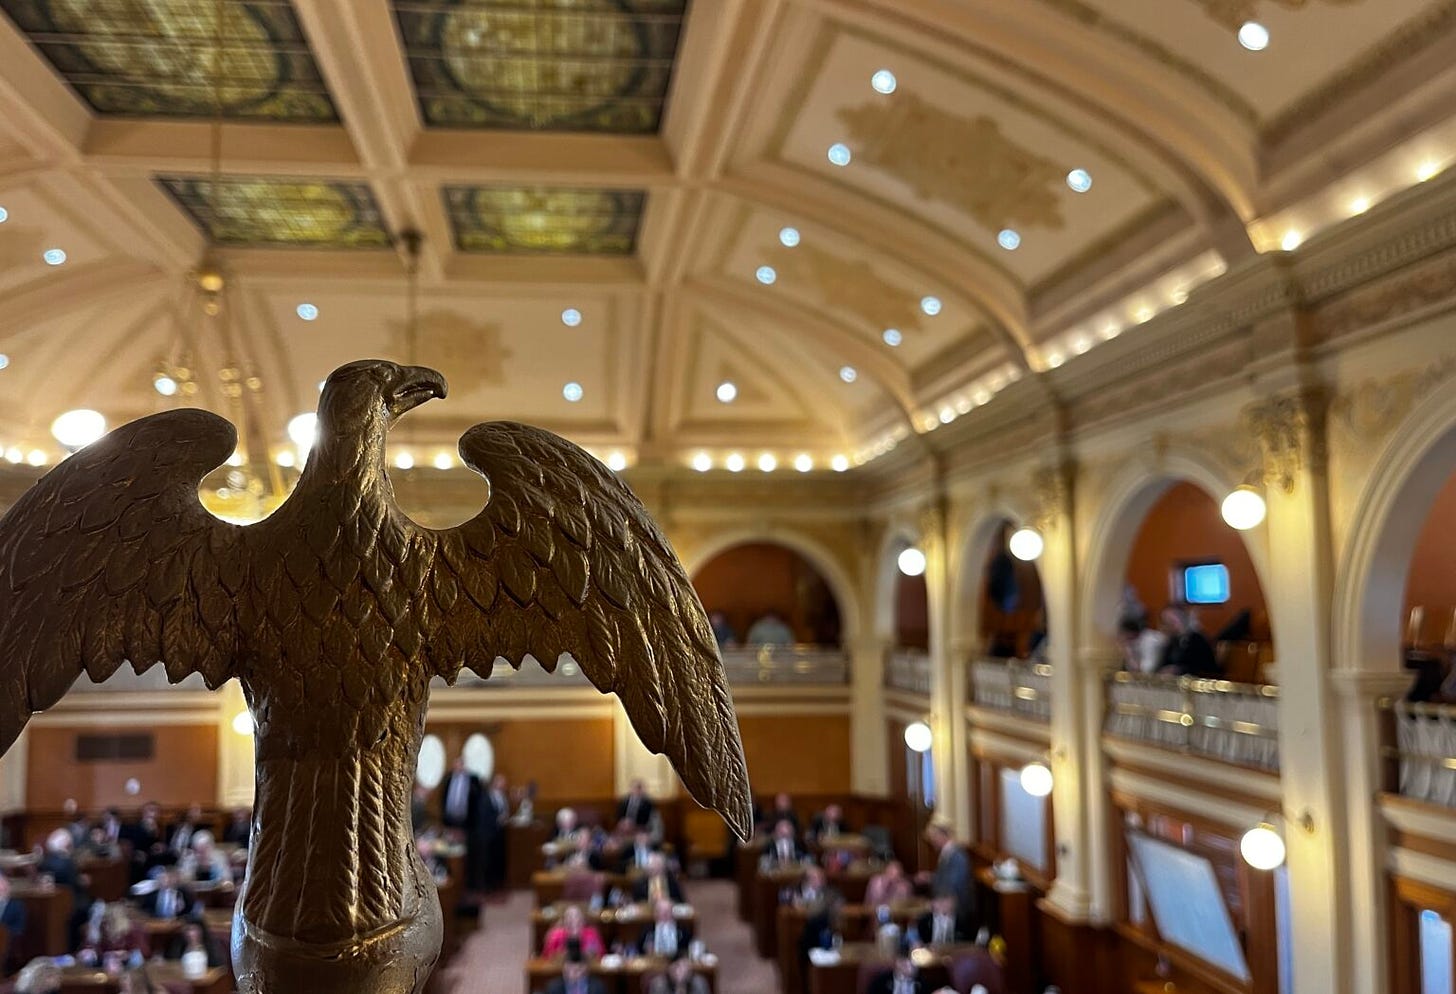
{"points": [[334, 614]]}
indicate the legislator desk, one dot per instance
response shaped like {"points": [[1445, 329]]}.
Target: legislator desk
{"points": [[851, 883], [842, 975], [107, 875], [1009, 906], [550, 885], [745, 868], [849, 843], [219, 925], [47, 920], [18, 864], [857, 923], [623, 925], [523, 852], [618, 976], [165, 974]]}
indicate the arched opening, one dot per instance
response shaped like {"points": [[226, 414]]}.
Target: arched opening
{"points": [[1429, 611], [1183, 555], [912, 612], [1011, 617], [764, 593]]}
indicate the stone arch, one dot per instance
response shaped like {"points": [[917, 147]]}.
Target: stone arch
{"points": [[974, 544], [885, 573]]}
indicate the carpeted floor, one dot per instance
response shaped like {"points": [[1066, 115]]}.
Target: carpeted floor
{"points": [[492, 960]]}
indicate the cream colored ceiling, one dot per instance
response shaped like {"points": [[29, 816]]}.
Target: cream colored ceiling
{"points": [[1189, 138]]}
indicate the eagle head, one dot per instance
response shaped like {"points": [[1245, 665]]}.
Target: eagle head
{"points": [[362, 400]]}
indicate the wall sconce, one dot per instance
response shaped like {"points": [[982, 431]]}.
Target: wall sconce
{"points": [[1243, 508], [911, 561], [1026, 544], [918, 737], [1263, 847], [1036, 779]]}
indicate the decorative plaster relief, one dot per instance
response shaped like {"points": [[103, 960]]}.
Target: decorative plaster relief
{"points": [[1291, 434], [963, 161], [1362, 417], [852, 284], [449, 340], [1233, 13]]}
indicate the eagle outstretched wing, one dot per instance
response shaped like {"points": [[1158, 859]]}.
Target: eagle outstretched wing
{"points": [[111, 557], [565, 559]]}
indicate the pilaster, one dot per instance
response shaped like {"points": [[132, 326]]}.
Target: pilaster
{"points": [[870, 748], [235, 776]]}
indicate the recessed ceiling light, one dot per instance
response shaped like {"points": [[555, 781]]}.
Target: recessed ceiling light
{"points": [[77, 428], [237, 458], [767, 462], [702, 462], [164, 385], [803, 462], [1081, 345], [1359, 205], [572, 392], [1079, 180], [14, 454], [766, 275], [892, 337], [4, 360], [404, 460], [308, 312], [1110, 331], [930, 305], [54, 257], [947, 415], [616, 461], [1143, 314], [727, 391], [571, 317], [883, 81], [788, 237], [1291, 241], [1008, 239], [848, 374], [303, 429], [285, 458], [37, 457], [839, 154], [4, 215], [1055, 359], [1427, 170], [839, 464], [982, 396], [1254, 36], [734, 463], [443, 460]]}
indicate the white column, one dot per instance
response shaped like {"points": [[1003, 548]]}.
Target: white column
{"points": [[1095, 663], [869, 745], [947, 689], [235, 781]]}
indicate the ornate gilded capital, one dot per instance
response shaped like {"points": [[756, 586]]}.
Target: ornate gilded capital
{"points": [[1290, 430], [1051, 488]]}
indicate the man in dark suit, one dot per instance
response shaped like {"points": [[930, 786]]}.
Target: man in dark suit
{"points": [[148, 848], [12, 912], [575, 979], [638, 856], [903, 979], [952, 877], [636, 807], [941, 925], [494, 821], [180, 832], [658, 883], [239, 831], [1187, 651], [459, 797], [169, 900], [666, 936], [828, 824], [783, 848], [783, 810]]}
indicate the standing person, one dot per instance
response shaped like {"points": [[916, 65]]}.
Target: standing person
{"points": [[494, 824], [636, 807], [952, 876], [459, 797]]}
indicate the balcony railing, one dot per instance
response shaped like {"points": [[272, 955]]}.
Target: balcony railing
{"points": [[1425, 751], [1232, 722], [908, 670], [1016, 685], [746, 666]]}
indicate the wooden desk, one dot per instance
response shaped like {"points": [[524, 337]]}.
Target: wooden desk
{"points": [[842, 977], [168, 974], [108, 876], [1016, 918], [623, 925], [523, 849], [623, 979], [48, 920], [857, 923], [850, 883], [745, 868], [550, 885]]}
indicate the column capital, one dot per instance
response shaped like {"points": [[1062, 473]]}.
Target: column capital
{"points": [[1370, 685]]}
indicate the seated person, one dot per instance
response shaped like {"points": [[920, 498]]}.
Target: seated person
{"points": [[239, 829], [108, 931], [576, 979], [783, 810], [680, 978], [111, 828], [195, 938], [40, 976], [889, 886], [658, 882], [204, 863], [666, 936], [940, 926], [573, 929], [828, 824], [565, 824], [12, 911], [783, 848], [723, 632], [169, 899], [586, 852], [1142, 647], [76, 823], [636, 807], [821, 926], [145, 837], [770, 630], [813, 890], [58, 863], [639, 855], [180, 832], [902, 979], [1188, 652]]}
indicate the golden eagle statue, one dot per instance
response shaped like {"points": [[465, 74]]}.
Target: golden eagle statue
{"points": [[335, 613]]}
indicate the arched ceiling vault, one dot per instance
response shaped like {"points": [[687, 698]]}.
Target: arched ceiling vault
{"points": [[663, 169]]}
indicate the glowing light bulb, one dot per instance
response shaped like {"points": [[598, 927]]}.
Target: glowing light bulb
{"points": [[1026, 544], [734, 463], [404, 460], [1262, 847], [839, 463], [702, 462], [727, 392], [803, 462], [767, 462], [78, 428], [1036, 779], [1243, 508], [911, 561], [919, 737]]}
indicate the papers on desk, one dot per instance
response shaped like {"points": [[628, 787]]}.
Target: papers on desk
{"points": [[611, 961], [824, 957], [682, 910]]}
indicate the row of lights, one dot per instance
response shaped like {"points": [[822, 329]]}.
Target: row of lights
{"points": [[51, 256], [767, 462], [1036, 776]]}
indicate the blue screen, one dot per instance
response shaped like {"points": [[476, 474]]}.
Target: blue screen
{"points": [[1206, 584]]}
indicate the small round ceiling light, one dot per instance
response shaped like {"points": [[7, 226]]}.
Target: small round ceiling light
{"points": [[803, 462], [1254, 36], [767, 462], [78, 428], [839, 154], [892, 337], [616, 461], [1359, 205], [303, 430], [946, 415], [1036, 779], [848, 374], [243, 722], [572, 392], [702, 462], [1079, 181], [443, 460], [1009, 239], [4, 360], [766, 275], [571, 317], [14, 454], [1292, 240], [1243, 508], [404, 460], [307, 312], [839, 463], [727, 392], [164, 385], [918, 737], [884, 81], [734, 463], [930, 305], [789, 237], [37, 457], [4, 215], [285, 458], [1026, 544], [911, 561], [54, 256], [1427, 170]]}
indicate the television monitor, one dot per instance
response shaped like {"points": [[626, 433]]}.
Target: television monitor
{"points": [[1187, 905], [1206, 583]]}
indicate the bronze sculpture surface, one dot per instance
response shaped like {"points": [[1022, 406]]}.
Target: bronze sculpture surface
{"points": [[335, 613]]}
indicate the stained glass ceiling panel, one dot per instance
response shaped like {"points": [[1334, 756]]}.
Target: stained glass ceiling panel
{"points": [[158, 58], [542, 65], [269, 212], [541, 220]]}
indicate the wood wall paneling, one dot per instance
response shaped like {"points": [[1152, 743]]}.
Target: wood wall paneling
{"points": [[797, 753], [181, 770], [749, 580], [566, 757], [1431, 582]]}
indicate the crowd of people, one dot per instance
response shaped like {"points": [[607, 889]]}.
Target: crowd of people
{"points": [[1178, 646]]}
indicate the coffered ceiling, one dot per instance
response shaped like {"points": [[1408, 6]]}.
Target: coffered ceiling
{"points": [[678, 232]]}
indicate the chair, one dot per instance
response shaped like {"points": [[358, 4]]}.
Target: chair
{"points": [[880, 840], [580, 888], [971, 968]]}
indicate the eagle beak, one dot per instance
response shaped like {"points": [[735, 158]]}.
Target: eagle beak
{"points": [[414, 386]]}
